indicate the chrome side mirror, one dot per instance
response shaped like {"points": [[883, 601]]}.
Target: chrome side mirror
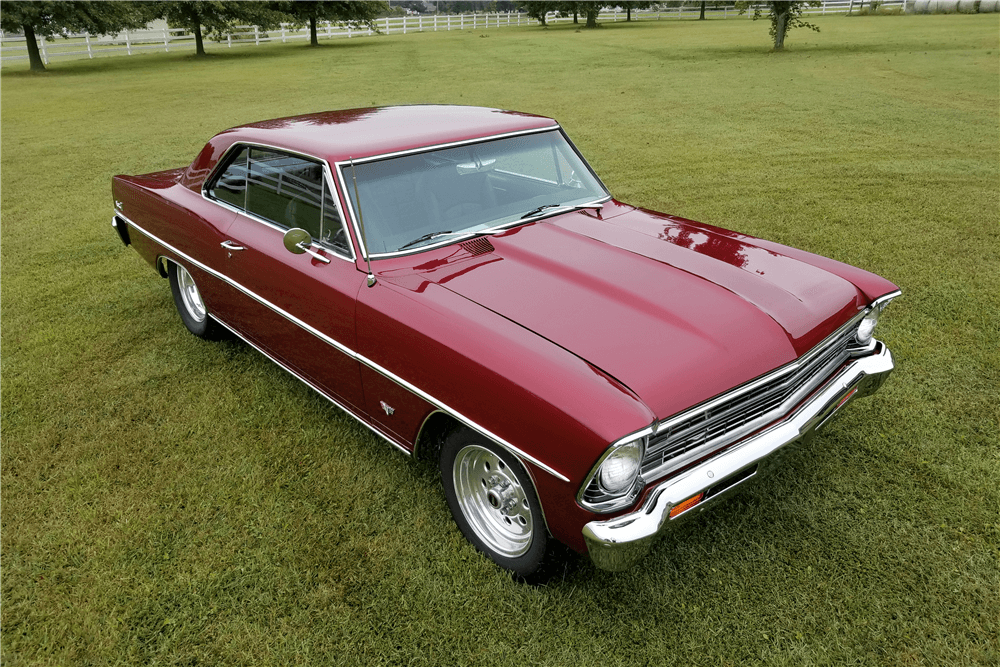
{"points": [[297, 241]]}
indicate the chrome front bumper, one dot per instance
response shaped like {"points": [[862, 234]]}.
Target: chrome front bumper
{"points": [[617, 544]]}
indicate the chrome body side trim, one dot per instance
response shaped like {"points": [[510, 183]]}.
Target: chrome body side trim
{"points": [[618, 543], [314, 388], [457, 239], [355, 355]]}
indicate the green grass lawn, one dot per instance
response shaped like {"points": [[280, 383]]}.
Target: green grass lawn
{"points": [[171, 501]]}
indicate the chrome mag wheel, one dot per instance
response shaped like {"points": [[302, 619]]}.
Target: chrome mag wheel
{"points": [[190, 296], [493, 501], [191, 305]]}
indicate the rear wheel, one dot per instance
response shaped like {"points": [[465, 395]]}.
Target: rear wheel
{"points": [[190, 304], [493, 501]]}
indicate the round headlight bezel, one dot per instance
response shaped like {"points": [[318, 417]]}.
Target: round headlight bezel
{"points": [[618, 471], [866, 327]]}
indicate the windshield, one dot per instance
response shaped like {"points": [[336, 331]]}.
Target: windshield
{"points": [[413, 201]]}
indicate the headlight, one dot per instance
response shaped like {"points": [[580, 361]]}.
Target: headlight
{"points": [[867, 327], [619, 469]]}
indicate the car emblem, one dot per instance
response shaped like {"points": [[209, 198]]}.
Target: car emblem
{"points": [[118, 205], [388, 409]]}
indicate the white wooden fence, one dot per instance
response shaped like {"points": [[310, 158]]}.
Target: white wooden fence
{"points": [[13, 48]]}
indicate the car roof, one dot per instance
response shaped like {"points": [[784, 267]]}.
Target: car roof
{"points": [[359, 133]]}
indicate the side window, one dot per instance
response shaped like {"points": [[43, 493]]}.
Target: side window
{"points": [[286, 190], [231, 185]]}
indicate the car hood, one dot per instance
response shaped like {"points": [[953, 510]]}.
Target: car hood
{"points": [[676, 311]]}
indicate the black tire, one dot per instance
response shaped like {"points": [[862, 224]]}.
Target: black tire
{"points": [[493, 502], [190, 304]]}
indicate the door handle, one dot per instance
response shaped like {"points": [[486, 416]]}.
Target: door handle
{"points": [[231, 245]]}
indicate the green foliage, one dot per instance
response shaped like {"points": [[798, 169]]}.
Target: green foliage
{"points": [[538, 10], [783, 17], [346, 12], [53, 18], [168, 501], [217, 17]]}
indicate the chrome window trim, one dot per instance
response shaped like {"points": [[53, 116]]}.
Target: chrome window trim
{"points": [[341, 165], [354, 355], [327, 178]]}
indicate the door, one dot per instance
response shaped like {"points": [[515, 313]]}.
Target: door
{"points": [[299, 307]]}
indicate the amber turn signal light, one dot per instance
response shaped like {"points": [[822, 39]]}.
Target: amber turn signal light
{"points": [[680, 508]]}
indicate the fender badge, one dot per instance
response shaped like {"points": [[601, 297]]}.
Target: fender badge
{"points": [[388, 409]]}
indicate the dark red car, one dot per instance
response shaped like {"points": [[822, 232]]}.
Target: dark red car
{"points": [[460, 281]]}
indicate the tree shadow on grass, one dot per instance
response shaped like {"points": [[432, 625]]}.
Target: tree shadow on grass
{"points": [[162, 60]]}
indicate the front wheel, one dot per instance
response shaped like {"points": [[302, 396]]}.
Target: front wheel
{"points": [[190, 305], [493, 502]]}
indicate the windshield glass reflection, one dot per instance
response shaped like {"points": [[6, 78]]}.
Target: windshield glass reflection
{"points": [[419, 200]]}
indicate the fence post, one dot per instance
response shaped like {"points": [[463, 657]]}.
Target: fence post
{"points": [[229, 41], [128, 44], [89, 52], [435, 23], [166, 42], [329, 29], [461, 21], [473, 20], [283, 33]]}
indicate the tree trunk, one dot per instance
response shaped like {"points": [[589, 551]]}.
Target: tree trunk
{"points": [[34, 57], [701, 17], [592, 16], [199, 45], [313, 39], [628, 14], [779, 30], [576, 16]]}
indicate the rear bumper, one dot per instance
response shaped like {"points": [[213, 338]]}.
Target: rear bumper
{"points": [[617, 544]]}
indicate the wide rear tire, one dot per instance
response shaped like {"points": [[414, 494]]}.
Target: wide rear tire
{"points": [[190, 304]]}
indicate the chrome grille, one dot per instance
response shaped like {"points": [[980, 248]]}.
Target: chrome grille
{"points": [[723, 420]]}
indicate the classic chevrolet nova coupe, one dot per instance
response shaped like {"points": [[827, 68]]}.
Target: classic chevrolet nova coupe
{"points": [[460, 281]]}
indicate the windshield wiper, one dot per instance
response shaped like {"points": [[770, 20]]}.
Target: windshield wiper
{"points": [[536, 211], [569, 207], [427, 237]]}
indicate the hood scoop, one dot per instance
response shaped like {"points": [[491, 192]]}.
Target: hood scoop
{"points": [[478, 246]]}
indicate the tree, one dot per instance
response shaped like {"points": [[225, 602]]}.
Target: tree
{"points": [[217, 17], [538, 10], [52, 18], [352, 13], [629, 6], [784, 16], [591, 9]]}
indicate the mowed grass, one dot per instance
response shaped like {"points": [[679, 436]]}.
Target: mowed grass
{"points": [[172, 501]]}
